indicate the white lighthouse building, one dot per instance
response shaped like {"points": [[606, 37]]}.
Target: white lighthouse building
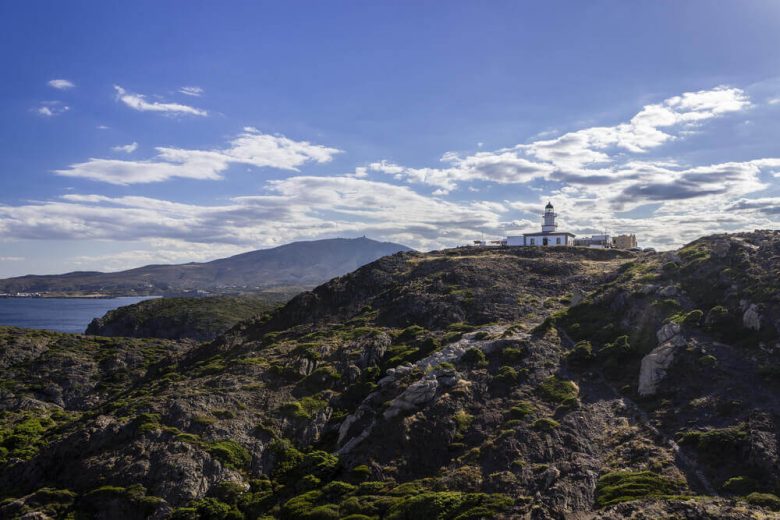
{"points": [[549, 236]]}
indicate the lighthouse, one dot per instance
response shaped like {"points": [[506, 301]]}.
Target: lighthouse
{"points": [[548, 221], [549, 236]]}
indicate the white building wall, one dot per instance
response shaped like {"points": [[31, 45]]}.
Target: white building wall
{"points": [[538, 240]]}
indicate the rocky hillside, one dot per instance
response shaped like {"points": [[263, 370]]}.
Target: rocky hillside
{"points": [[199, 319], [506, 383], [297, 265]]}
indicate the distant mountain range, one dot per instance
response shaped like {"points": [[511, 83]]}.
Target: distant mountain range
{"points": [[297, 265]]}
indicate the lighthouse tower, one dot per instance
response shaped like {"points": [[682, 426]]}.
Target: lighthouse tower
{"points": [[549, 225]]}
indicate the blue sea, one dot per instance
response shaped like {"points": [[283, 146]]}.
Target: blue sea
{"points": [[60, 314]]}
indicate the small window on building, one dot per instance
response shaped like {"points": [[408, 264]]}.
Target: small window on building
{"points": [[558, 240], [533, 242]]}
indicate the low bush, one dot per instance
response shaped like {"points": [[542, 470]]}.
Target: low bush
{"points": [[581, 354], [506, 376], [713, 445], [767, 500], [557, 390], [740, 485], [474, 357], [512, 355], [361, 472], [546, 424], [521, 409], [708, 360], [623, 486], [231, 453]]}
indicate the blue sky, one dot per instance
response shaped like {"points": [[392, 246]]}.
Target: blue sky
{"points": [[133, 133]]}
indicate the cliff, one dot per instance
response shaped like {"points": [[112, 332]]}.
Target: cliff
{"points": [[506, 383]]}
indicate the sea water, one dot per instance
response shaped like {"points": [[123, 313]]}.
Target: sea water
{"points": [[60, 314]]}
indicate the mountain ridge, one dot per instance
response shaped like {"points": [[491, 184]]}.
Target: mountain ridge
{"points": [[297, 265]]}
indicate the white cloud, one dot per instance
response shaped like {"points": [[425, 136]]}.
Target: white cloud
{"points": [[11, 258], [586, 156], [51, 109], [139, 102], [126, 148], [61, 84], [648, 129], [191, 91], [250, 148], [295, 208]]}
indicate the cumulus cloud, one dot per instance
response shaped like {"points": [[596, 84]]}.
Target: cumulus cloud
{"points": [[126, 148], [294, 208], [51, 109], [767, 205], [251, 147], [61, 84], [138, 102], [587, 156], [191, 91]]}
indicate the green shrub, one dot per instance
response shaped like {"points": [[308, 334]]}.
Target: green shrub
{"points": [[338, 488], [299, 506], [321, 378], [767, 500], [286, 457], [581, 353], [623, 486], [361, 472], [462, 420], [213, 509], [442, 505], [557, 390], [506, 376], [203, 420], [708, 361], [740, 485], [303, 409], [21, 436], [692, 318], [716, 316], [713, 445], [474, 357], [460, 327], [324, 512], [411, 333], [521, 409], [546, 424], [231, 453], [372, 487], [512, 355]]}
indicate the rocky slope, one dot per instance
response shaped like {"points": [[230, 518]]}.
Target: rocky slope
{"points": [[199, 319], [507, 383], [296, 265]]}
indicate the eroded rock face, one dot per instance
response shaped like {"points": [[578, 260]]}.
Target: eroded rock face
{"points": [[751, 319], [656, 364], [416, 395], [667, 332], [654, 367]]}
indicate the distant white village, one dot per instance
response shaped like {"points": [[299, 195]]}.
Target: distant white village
{"points": [[551, 236]]}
